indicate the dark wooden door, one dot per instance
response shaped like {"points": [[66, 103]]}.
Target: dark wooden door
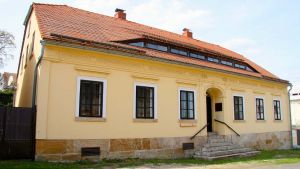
{"points": [[17, 127], [298, 137], [208, 114]]}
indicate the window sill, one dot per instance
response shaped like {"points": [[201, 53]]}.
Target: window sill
{"points": [[187, 121], [278, 120], [90, 119], [239, 121], [145, 120], [260, 120]]}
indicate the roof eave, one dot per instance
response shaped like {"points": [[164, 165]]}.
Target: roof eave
{"points": [[144, 56]]}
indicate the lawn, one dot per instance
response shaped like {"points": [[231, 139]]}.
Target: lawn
{"points": [[275, 156]]}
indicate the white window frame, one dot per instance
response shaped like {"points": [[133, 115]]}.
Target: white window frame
{"points": [[263, 98], [244, 106], [155, 98], [281, 112], [104, 81], [195, 102]]}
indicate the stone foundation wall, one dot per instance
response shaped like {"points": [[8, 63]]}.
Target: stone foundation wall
{"points": [[70, 150], [263, 141]]}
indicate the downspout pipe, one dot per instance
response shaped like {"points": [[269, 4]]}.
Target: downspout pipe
{"points": [[35, 74], [291, 126], [34, 98]]}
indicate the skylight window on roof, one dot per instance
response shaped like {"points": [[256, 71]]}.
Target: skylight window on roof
{"points": [[178, 51], [239, 66], [157, 47], [213, 59], [198, 56], [139, 44], [224, 62]]}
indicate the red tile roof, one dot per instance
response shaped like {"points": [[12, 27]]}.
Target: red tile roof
{"points": [[77, 23]]}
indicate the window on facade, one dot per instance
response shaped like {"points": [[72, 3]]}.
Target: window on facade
{"points": [[260, 109], [198, 56], [157, 47], [144, 102], [139, 44], [26, 56], [178, 51], [213, 59], [238, 108], [224, 62], [28, 29], [21, 64], [277, 109], [32, 45], [187, 105], [91, 98]]}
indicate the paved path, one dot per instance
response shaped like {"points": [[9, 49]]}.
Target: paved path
{"points": [[224, 166]]}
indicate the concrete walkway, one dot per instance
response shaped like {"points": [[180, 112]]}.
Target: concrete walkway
{"points": [[224, 166]]}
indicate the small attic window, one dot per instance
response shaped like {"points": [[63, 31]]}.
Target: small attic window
{"points": [[197, 55], [138, 44], [178, 51], [157, 47], [239, 66]]}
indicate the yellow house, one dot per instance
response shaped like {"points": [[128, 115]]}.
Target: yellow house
{"points": [[113, 88]]}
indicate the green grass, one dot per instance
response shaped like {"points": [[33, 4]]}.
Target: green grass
{"points": [[275, 156]]}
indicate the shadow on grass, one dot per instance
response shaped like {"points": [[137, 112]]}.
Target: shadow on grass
{"points": [[278, 156]]}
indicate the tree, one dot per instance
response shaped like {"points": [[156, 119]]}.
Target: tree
{"points": [[7, 43]]}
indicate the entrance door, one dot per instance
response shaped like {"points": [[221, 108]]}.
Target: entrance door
{"points": [[208, 114]]}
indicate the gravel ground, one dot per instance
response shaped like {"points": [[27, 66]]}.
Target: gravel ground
{"points": [[223, 166]]}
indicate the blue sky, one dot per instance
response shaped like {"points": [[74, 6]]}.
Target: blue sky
{"points": [[267, 32]]}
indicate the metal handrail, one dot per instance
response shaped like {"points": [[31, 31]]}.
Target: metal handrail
{"points": [[228, 126], [199, 131]]}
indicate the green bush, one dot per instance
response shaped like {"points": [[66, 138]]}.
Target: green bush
{"points": [[6, 98]]}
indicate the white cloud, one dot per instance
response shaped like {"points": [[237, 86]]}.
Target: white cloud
{"points": [[171, 15]]}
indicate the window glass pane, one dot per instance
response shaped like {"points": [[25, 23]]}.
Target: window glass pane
{"points": [[191, 114], [144, 102], [183, 105], [190, 96], [149, 92], [198, 56], [213, 59], [90, 98], [149, 103], [226, 63], [140, 103], [139, 44], [139, 91], [183, 95], [157, 47], [178, 51], [162, 48], [183, 113], [191, 105]]}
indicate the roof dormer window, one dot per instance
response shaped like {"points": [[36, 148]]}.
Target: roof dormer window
{"points": [[157, 47]]}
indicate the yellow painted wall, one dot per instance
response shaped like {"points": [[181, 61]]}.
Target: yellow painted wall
{"points": [[25, 77], [57, 97]]}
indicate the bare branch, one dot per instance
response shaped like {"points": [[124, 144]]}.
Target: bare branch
{"points": [[7, 43]]}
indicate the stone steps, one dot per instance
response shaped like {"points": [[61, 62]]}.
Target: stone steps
{"points": [[245, 154], [217, 147]]}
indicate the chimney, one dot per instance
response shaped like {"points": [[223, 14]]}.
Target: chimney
{"points": [[187, 33], [120, 14]]}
